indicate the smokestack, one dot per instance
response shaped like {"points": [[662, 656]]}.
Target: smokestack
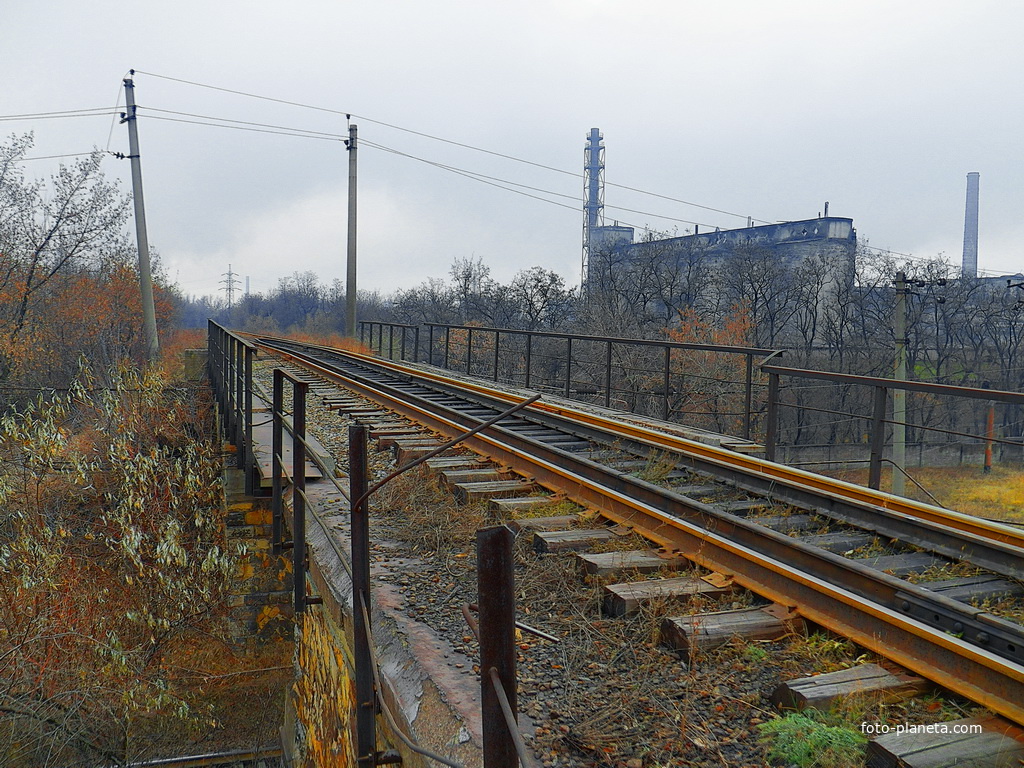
{"points": [[970, 262]]}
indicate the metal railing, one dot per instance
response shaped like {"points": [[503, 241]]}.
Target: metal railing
{"points": [[230, 365], [878, 422], [367, 327], [647, 376]]}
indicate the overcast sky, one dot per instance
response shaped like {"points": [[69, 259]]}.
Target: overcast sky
{"points": [[763, 109]]}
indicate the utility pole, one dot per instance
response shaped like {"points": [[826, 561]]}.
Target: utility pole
{"points": [[145, 273], [899, 396], [350, 272]]}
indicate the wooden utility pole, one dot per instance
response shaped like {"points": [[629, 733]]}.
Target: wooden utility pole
{"points": [[350, 276], [145, 273]]}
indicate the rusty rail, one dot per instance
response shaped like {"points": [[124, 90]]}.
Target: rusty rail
{"points": [[876, 610]]}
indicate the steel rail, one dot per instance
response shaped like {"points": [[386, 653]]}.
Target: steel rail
{"points": [[889, 515], [847, 597]]}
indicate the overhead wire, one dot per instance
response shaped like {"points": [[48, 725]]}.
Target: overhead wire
{"points": [[251, 123], [433, 137], [117, 111], [305, 133], [98, 112], [494, 181], [295, 133], [54, 157], [505, 184]]}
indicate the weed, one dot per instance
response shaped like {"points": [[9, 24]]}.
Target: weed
{"points": [[809, 739], [658, 467], [756, 654]]}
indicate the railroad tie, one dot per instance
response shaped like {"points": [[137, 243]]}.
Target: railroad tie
{"points": [[377, 431], [480, 475], [626, 599], [573, 539], [527, 524], [986, 742], [706, 631], [439, 463], [523, 504], [783, 523], [840, 542], [821, 691], [976, 588], [489, 489], [904, 564], [630, 561]]}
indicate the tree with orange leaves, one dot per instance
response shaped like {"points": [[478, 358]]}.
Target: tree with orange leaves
{"points": [[64, 269], [712, 394]]}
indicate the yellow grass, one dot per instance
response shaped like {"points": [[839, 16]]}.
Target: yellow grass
{"points": [[998, 494]]}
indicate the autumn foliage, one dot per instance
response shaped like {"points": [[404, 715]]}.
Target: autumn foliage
{"points": [[713, 383], [114, 558]]}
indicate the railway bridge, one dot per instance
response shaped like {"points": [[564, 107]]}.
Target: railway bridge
{"points": [[690, 537]]}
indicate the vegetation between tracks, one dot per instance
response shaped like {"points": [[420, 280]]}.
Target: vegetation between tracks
{"points": [[608, 696]]}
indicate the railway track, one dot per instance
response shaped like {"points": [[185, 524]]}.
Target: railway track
{"points": [[754, 523]]}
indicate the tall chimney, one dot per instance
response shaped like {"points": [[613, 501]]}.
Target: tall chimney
{"points": [[970, 262]]}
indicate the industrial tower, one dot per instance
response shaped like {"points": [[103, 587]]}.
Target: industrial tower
{"points": [[593, 193], [970, 258]]}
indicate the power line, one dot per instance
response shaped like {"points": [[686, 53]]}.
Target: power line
{"points": [[244, 122], [248, 125], [53, 157], [117, 109], [493, 181], [296, 134], [446, 141], [99, 112]]}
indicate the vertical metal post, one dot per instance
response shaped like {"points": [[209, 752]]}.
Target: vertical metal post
{"points": [[230, 384], [430, 345], [362, 332], [771, 427], [225, 406], [250, 455], [568, 365], [990, 430], [497, 641], [748, 396], [447, 345], [469, 348], [366, 703], [239, 404], [899, 396], [665, 411], [497, 343], [391, 341], [229, 412], [299, 493], [277, 465], [608, 376], [878, 442], [529, 358], [416, 341], [404, 329]]}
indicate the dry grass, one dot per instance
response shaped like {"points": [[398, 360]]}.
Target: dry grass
{"points": [[998, 494]]}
